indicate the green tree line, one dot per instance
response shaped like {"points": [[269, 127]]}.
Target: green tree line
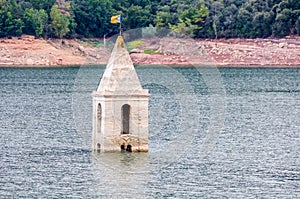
{"points": [[195, 18]]}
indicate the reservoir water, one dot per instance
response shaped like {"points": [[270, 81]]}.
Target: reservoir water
{"points": [[213, 133]]}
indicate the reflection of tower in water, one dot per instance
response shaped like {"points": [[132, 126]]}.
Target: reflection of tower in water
{"points": [[121, 175]]}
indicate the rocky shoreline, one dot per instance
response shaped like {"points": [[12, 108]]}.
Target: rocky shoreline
{"points": [[26, 51]]}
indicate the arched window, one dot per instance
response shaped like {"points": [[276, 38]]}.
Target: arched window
{"points": [[99, 118], [125, 118]]}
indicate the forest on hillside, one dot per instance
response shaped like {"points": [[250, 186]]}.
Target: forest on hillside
{"points": [[194, 18]]}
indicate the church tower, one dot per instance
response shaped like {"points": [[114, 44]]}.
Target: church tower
{"points": [[120, 106]]}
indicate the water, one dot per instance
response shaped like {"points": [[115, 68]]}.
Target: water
{"points": [[232, 134]]}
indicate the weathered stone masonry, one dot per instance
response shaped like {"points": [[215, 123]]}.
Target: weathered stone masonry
{"points": [[120, 106]]}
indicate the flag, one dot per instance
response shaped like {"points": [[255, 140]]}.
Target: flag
{"points": [[115, 19]]}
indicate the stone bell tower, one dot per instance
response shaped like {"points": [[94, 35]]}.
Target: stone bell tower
{"points": [[120, 106]]}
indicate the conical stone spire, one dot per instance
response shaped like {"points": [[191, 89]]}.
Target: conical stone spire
{"points": [[120, 77]]}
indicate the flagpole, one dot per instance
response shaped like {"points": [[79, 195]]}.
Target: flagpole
{"points": [[120, 19]]}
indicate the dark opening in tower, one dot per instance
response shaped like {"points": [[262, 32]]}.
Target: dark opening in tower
{"points": [[99, 118], [125, 118]]}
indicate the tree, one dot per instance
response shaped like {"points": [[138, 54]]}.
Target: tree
{"points": [[162, 19], [191, 21], [142, 3], [298, 26], [101, 11], [120, 6], [11, 23], [43, 4], [283, 24], [72, 25], [215, 14], [37, 20], [137, 17], [228, 20], [60, 22], [81, 17], [185, 27], [244, 23], [93, 17], [262, 24]]}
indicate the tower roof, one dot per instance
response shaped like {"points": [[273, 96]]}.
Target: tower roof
{"points": [[120, 77]]}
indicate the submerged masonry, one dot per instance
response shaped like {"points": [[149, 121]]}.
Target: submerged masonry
{"points": [[120, 106]]}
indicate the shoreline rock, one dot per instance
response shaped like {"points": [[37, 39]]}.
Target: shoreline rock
{"points": [[28, 51]]}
